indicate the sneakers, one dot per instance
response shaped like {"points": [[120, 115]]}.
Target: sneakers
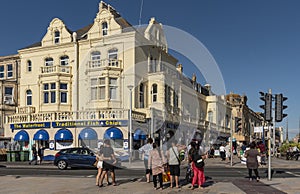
{"points": [[257, 179]]}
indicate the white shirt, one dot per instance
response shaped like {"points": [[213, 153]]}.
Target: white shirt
{"points": [[146, 149]]}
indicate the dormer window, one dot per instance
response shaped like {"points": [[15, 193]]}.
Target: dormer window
{"points": [[56, 37], [104, 28]]}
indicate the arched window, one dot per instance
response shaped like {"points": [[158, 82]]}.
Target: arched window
{"points": [[56, 37], [113, 57], [95, 59], [49, 61], [141, 96], [154, 93], [64, 60], [28, 97], [104, 28], [29, 66]]}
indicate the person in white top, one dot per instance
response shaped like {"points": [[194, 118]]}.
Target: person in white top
{"points": [[222, 152], [174, 162], [145, 149]]}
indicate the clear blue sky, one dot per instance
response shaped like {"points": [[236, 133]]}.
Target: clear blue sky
{"points": [[255, 43]]}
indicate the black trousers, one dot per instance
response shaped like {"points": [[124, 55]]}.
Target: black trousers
{"points": [[255, 171], [159, 179]]}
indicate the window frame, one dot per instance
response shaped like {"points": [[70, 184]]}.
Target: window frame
{"points": [[10, 70], [29, 66], [2, 71], [104, 27], [49, 62], [28, 98], [56, 37]]}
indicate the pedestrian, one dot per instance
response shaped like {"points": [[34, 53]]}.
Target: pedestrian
{"points": [[222, 152], [252, 162], [227, 151], [174, 163], [194, 157], [100, 166], [262, 149], [156, 162], [41, 153], [34, 155], [109, 160], [145, 150]]}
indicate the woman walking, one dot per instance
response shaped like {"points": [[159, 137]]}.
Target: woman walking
{"points": [[145, 149], [156, 163], [252, 162]]}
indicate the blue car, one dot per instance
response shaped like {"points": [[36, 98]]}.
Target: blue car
{"points": [[74, 157]]}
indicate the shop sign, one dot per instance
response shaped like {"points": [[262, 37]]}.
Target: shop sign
{"points": [[30, 125], [94, 123]]}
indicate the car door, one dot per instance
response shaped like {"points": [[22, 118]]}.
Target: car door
{"points": [[74, 157], [88, 157]]}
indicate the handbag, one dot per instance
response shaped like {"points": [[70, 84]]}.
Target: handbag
{"points": [[189, 174]]}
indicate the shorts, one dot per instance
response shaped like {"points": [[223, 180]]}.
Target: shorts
{"points": [[100, 164], [174, 170], [108, 167]]}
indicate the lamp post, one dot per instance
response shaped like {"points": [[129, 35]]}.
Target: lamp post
{"points": [[130, 87]]}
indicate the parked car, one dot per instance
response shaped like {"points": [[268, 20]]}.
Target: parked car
{"points": [[77, 157], [74, 157]]}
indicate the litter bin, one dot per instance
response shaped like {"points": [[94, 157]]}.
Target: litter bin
{"points": [[8, 156], [13, 156]]}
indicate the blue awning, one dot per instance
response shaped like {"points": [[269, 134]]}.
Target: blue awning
{"points": [[113, 133], [139, 135], [41, 135], [63, 134], [22, 136], [88, 134]]}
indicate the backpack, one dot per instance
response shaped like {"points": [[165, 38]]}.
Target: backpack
{"points": [[198, 161]]}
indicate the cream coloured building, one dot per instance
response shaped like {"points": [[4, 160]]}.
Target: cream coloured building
{"points": [[75, 88]]}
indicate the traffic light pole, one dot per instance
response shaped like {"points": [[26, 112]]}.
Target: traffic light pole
{"points": [[269, 144]]}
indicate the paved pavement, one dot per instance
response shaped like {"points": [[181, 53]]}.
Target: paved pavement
{"points": [[55, 185]]}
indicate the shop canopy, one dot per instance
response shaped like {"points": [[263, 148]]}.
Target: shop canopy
{"points": [[113, 133], [139, 135], [88, 134], [22, 136], [41, 135], [63, 134]]}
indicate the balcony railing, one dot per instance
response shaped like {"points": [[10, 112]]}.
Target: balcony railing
{"points": [[56, 69], [104, 63], [25, 110], [68, 116]]}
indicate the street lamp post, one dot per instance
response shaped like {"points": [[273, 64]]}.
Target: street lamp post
{"points": [[130, 87]]}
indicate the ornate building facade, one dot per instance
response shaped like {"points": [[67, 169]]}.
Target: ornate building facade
{"points": [[77, 88]]}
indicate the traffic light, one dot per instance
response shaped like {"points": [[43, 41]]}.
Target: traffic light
{"points": [[267, 106], [238, 124], [279, 107]]}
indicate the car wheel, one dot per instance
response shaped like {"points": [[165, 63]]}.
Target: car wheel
{"points": [[62, 165]]}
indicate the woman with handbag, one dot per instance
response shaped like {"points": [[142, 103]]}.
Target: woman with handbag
{"points": [[198, 171], [156, 162], [174, 163]]}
